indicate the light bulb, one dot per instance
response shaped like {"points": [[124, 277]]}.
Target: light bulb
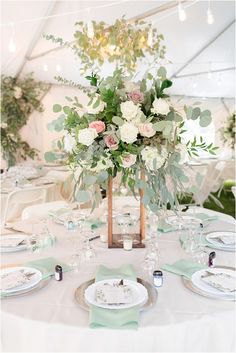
{"points": [[12, 46], [90, 30], [58, 68], [182, 13], [45, 67], [209, 75], [210, 17], [150, 38], [194, 84]]}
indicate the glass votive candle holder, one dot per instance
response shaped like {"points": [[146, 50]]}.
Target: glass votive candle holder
{"points": [[103, 238], [127, 243]]}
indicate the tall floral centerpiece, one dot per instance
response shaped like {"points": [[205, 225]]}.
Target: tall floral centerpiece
{"points": [[127, 127], [227, 132]]}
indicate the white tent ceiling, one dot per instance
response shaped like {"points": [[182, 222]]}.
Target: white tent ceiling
{"points": [[183, 39]]}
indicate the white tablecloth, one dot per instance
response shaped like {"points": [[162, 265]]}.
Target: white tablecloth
{"points": [[181, 321]]}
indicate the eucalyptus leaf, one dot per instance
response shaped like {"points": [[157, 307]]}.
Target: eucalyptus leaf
{"points": [[205, 120], [117, 120], [57, 108], [82, 196], [162, 72], [195, 113], [49, 156], [90, 179]]}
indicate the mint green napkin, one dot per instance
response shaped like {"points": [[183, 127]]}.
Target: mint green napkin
{"points": [[114, 319], [183, 268], [204, 216], [164, 227], [47, 266], [95, 223]]}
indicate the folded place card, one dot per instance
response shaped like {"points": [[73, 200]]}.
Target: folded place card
{"points": [[114, 294], [222, 281], [13, 279]]}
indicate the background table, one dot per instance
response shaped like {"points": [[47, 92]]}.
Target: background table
{"points": [[181, 321]]}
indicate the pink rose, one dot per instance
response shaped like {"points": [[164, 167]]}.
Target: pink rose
{"points": [[98, 125], [111, 142], [146, 130], [136, 96], [128, 160]]}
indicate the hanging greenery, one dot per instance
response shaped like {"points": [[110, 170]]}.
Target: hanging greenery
{"points": [[19, 98], [123, 43]]}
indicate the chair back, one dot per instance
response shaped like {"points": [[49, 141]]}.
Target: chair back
{"points": [[18, 200], [43, 210]]}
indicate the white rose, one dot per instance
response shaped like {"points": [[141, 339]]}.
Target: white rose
{"points": [[99, 108], [69, 143], [17, 92], [128, 160], [131, 86], [152, 158], [87, 136], [128, 133], [130, 110], [146, 130], [3, 125], [160, 106]]}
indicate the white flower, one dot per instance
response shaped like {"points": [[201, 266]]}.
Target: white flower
{"points": [[69, 143], [128, 133], [130, 110], [146, 130], [87, 136], [99, 108], [3, 125], [128, 159], [131, 86], [152, 158], [17, 92], [160, 106], [102, 164]]}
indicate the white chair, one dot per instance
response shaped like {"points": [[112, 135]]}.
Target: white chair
{"points": [[43, 210], [18, 200], [212, 181], [233, 189]]}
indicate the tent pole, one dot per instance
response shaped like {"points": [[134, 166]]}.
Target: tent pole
{"points": [[202, 49], [36, 37]]}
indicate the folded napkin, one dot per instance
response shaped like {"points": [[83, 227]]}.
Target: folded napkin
{"points": [[164, 227], [47, 266], [183, 268], [115, 319]]}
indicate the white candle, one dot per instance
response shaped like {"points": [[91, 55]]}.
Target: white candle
{"points": [[103, 238], [128, 244]]}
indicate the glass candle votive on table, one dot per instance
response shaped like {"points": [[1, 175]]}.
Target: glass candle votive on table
{"points": [[127, 243]]}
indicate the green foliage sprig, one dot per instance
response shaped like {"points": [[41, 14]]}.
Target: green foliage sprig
{"points": [[123, 43], [19, 98], [228, 131]]}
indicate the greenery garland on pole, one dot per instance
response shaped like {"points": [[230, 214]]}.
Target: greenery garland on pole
{"points": [[19, 98]]}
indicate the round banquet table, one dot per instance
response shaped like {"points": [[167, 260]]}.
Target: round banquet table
{"points": [[50, 320]]}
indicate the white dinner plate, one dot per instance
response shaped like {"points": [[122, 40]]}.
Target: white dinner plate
{"points": [[139, 292], [199, 283], [31, 283], [215, 243], [7, 242]]}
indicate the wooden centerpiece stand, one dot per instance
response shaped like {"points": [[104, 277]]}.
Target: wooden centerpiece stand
{"points": [[113, 238]]}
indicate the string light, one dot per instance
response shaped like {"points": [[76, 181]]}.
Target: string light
{"points": [[58, 68], [45, 67], [150, 37], [182, 13], [209, 75], [90, 29], [194, 84], [210, 17], [11, 45]]}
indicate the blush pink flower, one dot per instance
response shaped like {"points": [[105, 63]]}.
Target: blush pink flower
{"points": [[128, 160], [136, 97], [111, 142], [146, 130], [98, 125]]}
